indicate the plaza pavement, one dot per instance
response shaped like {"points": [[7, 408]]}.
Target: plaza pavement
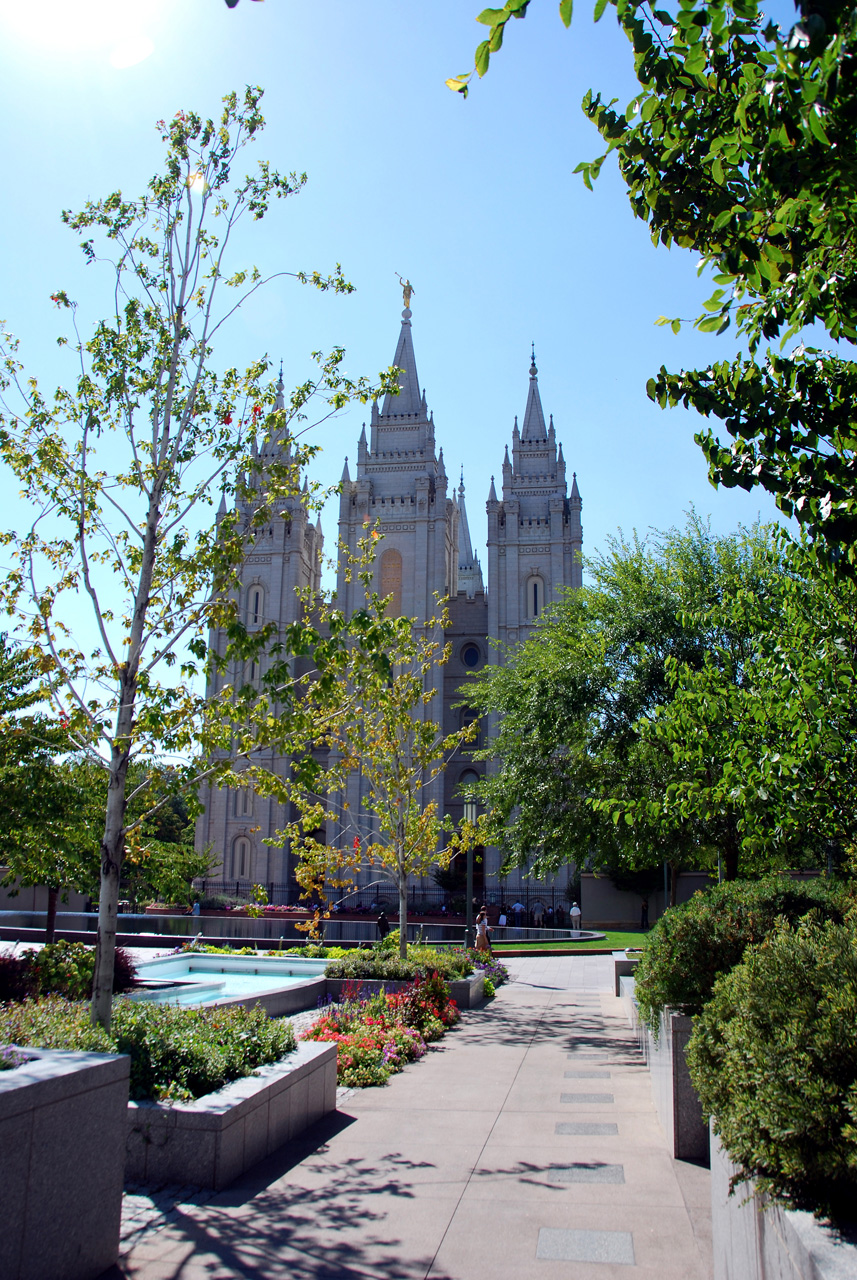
{"points": [[525, 1144]]}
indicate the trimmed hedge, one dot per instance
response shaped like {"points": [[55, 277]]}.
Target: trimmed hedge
{"points": [[691, 945], [773, 1057], [176, 1054]]}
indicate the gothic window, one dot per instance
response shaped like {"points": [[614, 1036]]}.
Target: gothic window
{"points": [[391, 581], [535, 597], [255, 606], [241, 859], [468, 716]]}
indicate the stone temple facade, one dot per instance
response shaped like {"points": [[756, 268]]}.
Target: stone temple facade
{"points": [[400, 481]]}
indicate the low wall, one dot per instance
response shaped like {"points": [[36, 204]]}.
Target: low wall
{"points": [[755, 1239], [62, 1156], [676, 1101], [211, 1141], [624, 966], [603, 906], [466, 992]]}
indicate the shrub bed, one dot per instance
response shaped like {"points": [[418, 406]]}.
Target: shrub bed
{"points": [[60, 968], [693, 944], [176, 1054], [376, 1037], [452, 964], [774, 1059]]}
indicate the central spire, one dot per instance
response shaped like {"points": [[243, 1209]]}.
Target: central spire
{"points": [[409, 400], [534, 418]]}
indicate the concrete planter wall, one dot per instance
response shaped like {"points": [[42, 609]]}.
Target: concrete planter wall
{"points": [[466, 992], [62, 1155], [757, 1240], [211, 1141], [676, 1100], [624, 966]]}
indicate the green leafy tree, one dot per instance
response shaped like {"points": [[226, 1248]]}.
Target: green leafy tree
{"points": [[375, 725], [739, 147], [122, 470], [579, 772], [777, 716], [46, 838]]}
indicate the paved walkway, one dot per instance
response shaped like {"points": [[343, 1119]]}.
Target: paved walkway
{"points": [[525, 1144]]}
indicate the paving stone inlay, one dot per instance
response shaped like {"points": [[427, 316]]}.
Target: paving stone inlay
{"points": [[585, 1129], [613, 1173], [586, 1097], [587, 1075], [557, 1245]]}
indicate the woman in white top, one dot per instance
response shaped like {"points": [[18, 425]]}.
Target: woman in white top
{"points": [[482, 942]]}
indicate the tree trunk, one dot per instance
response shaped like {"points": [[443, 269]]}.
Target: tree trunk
{"points": [[51, 919], [403, 903], [112, 850]]}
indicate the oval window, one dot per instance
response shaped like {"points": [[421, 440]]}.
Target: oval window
{"points": [[470, 655]]}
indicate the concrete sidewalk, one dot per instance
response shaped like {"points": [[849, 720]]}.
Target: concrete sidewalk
{"points": [[524, 1144]]}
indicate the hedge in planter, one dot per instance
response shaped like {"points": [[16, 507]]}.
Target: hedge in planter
{"points": [[693, 944], [774, 1059], [176, 1054]]}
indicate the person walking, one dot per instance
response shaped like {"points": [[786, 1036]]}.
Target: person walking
{"points": [[483, 942], [383, 926]]}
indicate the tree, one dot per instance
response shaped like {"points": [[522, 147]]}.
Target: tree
{"points": [[46, 839], [576, 704], [381, 745], [123, 468], [779, 718], [739, 147]]}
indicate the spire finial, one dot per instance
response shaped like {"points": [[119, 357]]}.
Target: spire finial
{"points": [[281, 374], [461, 482], [533, 369]]}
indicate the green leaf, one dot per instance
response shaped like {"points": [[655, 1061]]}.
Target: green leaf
{"points": [[491, 17], [483, 54], [600, 6], [565, 7]]}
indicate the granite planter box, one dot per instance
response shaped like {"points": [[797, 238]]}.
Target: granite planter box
{"points": [[623, 967], [755, 1239], [211, 1141], [62, 1156], [676, 1101], [466, 992]]}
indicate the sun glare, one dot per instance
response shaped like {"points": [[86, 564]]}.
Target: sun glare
{"points": [[111, 29]]}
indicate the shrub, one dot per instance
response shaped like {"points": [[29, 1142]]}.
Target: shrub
{"points": [[774, 1058], [420, 960], [18, 980], [489, 989], [68, 968], [692, 944], [176, 1053], [495, 972]]}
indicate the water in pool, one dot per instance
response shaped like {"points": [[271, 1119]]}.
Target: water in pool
{"points": [[202, 979]]}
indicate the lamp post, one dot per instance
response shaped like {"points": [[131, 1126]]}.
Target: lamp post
{"points": [[470, 817]]}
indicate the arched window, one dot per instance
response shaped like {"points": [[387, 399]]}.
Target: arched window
{"points": [[255, 606], [252, 672], [466, 779], [468, 716], [534, 603], [391, 581], [241, 859], [243, 802]]}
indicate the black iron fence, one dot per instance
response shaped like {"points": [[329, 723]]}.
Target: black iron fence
{"points": [[523, 906]]}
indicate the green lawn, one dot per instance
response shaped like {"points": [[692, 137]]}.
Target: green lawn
{"points": [[612, 942]]}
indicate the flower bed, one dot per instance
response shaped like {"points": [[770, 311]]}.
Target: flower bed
{"points": [[376, 1037]]}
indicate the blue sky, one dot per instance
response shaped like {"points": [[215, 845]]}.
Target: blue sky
{"points": [[474, 201]]}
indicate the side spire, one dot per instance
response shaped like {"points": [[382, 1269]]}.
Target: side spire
{"points": [[534, 418]]}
